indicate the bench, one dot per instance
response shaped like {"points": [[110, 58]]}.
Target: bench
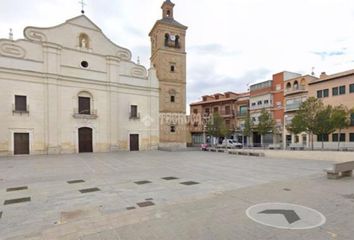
{"points": [[344, 169], [246, 153], [296, 146], [274, 146]]}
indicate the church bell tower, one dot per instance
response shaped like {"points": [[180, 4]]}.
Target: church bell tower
{"points": [[168, 57]]}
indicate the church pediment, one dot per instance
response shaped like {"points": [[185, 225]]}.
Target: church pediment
{"points": [[78, 33]]}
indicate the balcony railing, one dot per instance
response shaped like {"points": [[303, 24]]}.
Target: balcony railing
{"points": [[14, 110], [242, 114], [134, 116], [226, 113], [92, 114], [294, 89], [293, 106]]}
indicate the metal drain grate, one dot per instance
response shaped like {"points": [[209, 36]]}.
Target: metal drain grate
{"points": [[16, 189], [169, 178], [145, 204], [17, 200], [0, 215], [189, 183], [89, 190], [75, 181], [131, 208], [142, 182]]}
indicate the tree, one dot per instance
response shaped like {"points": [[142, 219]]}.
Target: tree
{"points": [[306, 117], [216, 126], [324, 123], [265, 125], [296, 125], [340, 119], [247, 130]]}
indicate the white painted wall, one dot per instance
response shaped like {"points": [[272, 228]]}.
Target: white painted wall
{"points": [[46, 67]]}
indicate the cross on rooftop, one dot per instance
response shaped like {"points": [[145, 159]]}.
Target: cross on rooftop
{"points": [[83, 4]]}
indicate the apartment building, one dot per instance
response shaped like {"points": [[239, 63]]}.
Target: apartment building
{"points": [[295, 93], [232, 107], [334, 90], [269, 95]]}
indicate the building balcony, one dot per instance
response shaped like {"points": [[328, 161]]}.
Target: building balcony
{"points": [[292, 107], [257, 107], [92, 114], [241, 114], [226, 113], [296, 90]]}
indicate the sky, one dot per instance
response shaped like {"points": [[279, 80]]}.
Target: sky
{"points": [[230, 43]]}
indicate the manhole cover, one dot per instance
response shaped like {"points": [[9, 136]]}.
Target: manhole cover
{"points": [[285, 216]]}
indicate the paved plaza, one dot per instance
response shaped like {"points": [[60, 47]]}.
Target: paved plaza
{"points": [[169, 195]]}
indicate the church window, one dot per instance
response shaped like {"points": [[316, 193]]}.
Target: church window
{"points": [[172, 129], [168, 13], [20, 103], [134, 112], [172, 93], [84, 41], [85, 105], [84, 64]]}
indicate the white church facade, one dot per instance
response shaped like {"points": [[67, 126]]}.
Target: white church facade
{"points": [[69, 89]]}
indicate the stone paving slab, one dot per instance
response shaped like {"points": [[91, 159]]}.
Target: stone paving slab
{"points": [[59, 211]]}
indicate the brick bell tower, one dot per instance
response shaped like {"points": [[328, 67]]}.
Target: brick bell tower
{"points": [[168, 57]]}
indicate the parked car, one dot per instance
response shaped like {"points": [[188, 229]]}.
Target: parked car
{"points": [[230, 143]]}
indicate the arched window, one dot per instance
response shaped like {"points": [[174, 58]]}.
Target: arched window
{"points": [[177, 42], [167, 36], [168, 13], [296, 85], [303, 82], [288, 86], [84, 41]]}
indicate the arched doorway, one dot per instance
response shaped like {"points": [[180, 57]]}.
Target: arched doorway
{"points": [[85, 140]]}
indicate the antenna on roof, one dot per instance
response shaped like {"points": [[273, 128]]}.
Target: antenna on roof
{"points": [[138, 60], [83, 4], [313, 71], [11, 35]]}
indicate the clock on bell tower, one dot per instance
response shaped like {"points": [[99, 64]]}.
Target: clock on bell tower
{"points": [[168, 57]]}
